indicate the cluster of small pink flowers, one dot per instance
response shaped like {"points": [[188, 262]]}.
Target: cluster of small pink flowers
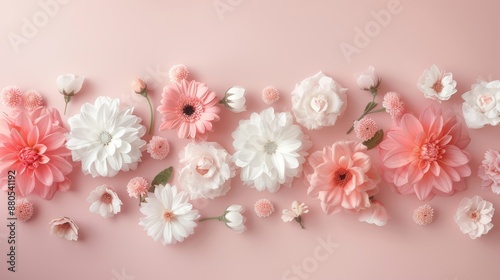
{"points": [[12, 97]]}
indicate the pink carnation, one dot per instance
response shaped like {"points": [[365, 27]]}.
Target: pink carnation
{"points": [[11, 96], [263, 208], [33, 145], [190, 107], [394, 104], [24, 209], [32, 99], [426, 155], [158, 147], [365, 128], [177, 73], [343, 177], [137, 187], [270, 95], [489, 171]]}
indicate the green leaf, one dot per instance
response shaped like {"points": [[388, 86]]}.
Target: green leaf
{"points": [[161, 179], [375, 140]]}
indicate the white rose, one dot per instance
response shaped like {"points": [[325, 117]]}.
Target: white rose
{"points": [[482, 104], [205, 170], [318, 101]]}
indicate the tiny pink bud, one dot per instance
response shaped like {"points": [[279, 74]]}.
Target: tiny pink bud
{"points": [[139, 85]]}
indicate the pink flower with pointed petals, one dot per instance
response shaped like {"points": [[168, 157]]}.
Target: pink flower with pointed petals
{"points": [[33, 145], [426, 155], [343, 177], [190, 107]]}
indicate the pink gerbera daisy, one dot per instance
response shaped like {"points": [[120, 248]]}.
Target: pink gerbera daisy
{"points": [[426, 155], [190, 107], [343, 177], [11, 96], [32, 144]]}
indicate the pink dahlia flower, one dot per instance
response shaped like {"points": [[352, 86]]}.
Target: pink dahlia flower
{"points": [[343, 177], [190, 107], [426, 155], [32, 144]]}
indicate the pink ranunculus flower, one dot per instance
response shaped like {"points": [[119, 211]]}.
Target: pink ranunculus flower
{"points": [[489, 171], [33, 144], [376, 214], [426, 155], [343, 177], [189, 107]]}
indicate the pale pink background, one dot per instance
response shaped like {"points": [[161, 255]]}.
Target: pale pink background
{"points": [[254, 44]]}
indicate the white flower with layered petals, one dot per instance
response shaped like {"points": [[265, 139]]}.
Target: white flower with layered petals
{"points": [[318, 101], [437, 85], [482, 104], [205, 170], [270, 150], [169, 215], [234, 219], [474, 216], [235, 100], [105, 201], [105, 138]]}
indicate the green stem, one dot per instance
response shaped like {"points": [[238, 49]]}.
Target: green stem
{"points": [[211, 218], [151, 113], [67, 98], [374, 93], [376, 111], [299, 220]]}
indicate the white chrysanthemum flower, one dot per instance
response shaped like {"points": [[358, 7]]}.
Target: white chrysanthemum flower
{"points": [[105, 138], [205, 170], [105, 201], [318, 101], [437, 85], [482, 104], [474, 216], [270, 150], [169, 215]]}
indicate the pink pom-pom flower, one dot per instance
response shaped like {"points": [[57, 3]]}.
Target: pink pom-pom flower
{"points": [[178, 72], [423, 215], [270, 95], [32, 99], [365, 128], [263, 208], [11, 96], [158, 147], [24, 209], [394, 104], [137, 187]]}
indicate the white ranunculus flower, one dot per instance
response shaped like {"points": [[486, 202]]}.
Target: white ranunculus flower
{"points": [[437, 85], [235, 99], [105, 201], [474, 216], [318, 101], [205, 170], [169, 215], [270, 150], [105, 138], [234, 219], [482, 104]]}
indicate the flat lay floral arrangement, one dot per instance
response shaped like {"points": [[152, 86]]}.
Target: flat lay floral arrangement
{"points": [[422, 153]]}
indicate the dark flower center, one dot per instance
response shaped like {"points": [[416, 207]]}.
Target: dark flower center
{"points": [[341, 177], [188, 110]]}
